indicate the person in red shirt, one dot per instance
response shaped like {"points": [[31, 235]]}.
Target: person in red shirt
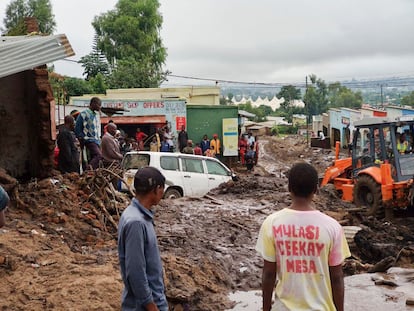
{"points": [[140, 137], [197, 149], [56, 156], [242, 148]]}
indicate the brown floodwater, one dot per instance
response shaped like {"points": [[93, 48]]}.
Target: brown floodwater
{"points": [[361, 293]]}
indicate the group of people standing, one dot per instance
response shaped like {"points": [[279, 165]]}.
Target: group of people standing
{"points": [[163, 141], [248, 150], [207, 147], [80, 143]]}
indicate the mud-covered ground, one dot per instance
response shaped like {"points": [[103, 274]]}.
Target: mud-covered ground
{"points": [[58, 250]]}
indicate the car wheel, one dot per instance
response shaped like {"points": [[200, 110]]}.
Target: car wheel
{"points": [[367, 192], [172, 193]]}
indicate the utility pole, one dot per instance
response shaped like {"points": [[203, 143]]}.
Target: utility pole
{"points": [[382, 97], [382, 94], [307, 112]]}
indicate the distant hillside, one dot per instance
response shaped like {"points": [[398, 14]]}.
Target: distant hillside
{"points": [[393, 89]]}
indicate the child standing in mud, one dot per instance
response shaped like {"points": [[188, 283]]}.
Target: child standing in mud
{"points": [[303, 249]]}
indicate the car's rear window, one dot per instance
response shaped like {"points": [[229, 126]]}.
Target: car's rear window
{"points": [[135, 161], [169, 163]]}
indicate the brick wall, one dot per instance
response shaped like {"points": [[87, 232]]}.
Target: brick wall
{"points": [[26, 138]]}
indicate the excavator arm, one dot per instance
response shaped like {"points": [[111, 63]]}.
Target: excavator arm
{"points": [[338, 169]]}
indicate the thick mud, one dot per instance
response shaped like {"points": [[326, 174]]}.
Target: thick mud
{"points": [[58, 250]]}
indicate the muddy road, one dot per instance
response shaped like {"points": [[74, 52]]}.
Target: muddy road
{"points": [[58, 250]]}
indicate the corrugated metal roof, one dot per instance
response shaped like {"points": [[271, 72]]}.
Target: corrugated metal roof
{"points": [[257, 127], [244, 113], [22, 53]]}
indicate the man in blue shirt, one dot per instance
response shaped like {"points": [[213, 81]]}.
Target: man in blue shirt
{"points": [[165, 146], [88, 131], [139, 256], [4, 200], [205, 144]]}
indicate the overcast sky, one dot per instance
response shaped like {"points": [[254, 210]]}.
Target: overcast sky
{"points": [[271, 41]]}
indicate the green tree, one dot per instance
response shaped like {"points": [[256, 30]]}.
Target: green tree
{"points": [[56, 82], [98, 84], [316, 97], [76, 86], [129, 37], [267, 110], [408, 100], [350, 99], [14, 19], [130, 73], [341, 96], [94, 63], [17, 10], [42, 10], [230, 96], [260, 112], [63, 86], [225, 101], [289, 93], [247, 107], [287, 114]]}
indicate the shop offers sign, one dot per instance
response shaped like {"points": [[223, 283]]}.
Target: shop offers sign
{"points": [[170, 108]]}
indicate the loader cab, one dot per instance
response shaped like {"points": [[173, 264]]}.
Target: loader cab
{"points": [[371, 143], [379, 140]]}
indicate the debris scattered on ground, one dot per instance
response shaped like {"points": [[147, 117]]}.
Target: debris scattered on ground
{"points": [[58, 250]]}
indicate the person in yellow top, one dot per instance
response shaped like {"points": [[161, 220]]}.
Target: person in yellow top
{"points": [[215, 144], [209, 153], [303, 249], [402, 144], [154, 146]]}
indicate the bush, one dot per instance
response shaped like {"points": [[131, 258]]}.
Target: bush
{"points": [[284, 129]]}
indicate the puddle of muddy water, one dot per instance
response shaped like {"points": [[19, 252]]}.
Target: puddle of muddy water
{"points": [[251, 300], [361, 294]]}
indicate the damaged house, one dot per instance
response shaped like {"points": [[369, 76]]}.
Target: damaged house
{"points": [[27, 106]]}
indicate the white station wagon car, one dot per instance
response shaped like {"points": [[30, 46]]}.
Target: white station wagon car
{"points": [[185, 174]]}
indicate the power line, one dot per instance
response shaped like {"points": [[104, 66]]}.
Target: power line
{"points": [[219, 80], [366, 83], [396, 81], [70, 60]]}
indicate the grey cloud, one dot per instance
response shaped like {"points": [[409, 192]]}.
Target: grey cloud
{"points": [[266, 40]]}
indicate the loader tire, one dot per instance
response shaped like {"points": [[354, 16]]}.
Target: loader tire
{"points": [[367, 193]]}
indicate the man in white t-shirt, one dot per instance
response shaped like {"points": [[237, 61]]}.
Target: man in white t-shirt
{"points": [[250, 139], [303, 249]]}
